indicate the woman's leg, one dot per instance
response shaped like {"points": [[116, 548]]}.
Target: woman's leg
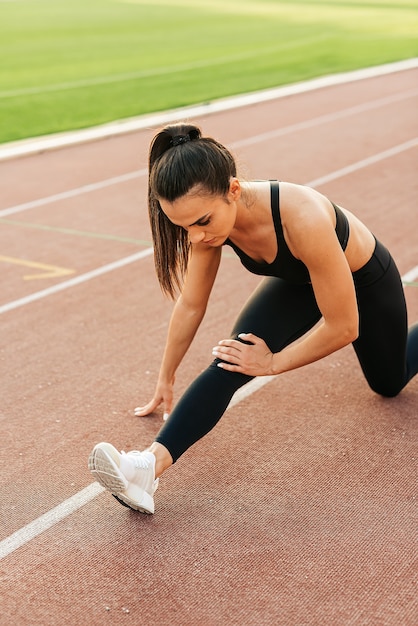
{"points": [[279, 313], [387, 353]]}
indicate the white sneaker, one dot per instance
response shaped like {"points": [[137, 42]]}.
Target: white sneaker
{"points": [[130, 477]]}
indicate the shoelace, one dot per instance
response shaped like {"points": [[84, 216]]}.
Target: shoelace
{"points": [[140, 463], [137, 459]]}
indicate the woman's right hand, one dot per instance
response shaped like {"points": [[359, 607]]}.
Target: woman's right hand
{"points": [[163, 395]]}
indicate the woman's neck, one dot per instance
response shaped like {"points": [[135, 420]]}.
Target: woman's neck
{"points": [[253, 208]]}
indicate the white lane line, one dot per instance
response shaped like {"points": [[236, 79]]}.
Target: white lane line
{"points": [[354, 167], [78, 500], [139, 255], [49, 519], [75, 502], [52, 142], [72, 282], [72, 193], [410, 276], [273, 134], [327, 118]]}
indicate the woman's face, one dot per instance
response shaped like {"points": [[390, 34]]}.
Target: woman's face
{"points": [[208, 219]]}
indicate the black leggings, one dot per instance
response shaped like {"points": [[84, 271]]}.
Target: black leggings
{"points": [[280, 312]]}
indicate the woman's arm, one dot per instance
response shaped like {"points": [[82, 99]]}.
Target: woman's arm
{"points": [[310, 232], [335, 295], [190, 308], [186, 317]]}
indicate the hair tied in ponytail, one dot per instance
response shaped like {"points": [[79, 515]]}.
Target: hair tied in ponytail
{"points": [[178, 139], [187, 133]]}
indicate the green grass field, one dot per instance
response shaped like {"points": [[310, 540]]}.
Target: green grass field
{"points": [[68, 64]]}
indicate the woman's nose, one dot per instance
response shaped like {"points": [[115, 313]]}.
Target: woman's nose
{"points": [[196, 235]]}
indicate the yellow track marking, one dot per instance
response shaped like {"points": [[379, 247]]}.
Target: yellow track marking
{"points": [[48, 271]]}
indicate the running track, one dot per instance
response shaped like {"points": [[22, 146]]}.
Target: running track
{"points": [[300, 507]]}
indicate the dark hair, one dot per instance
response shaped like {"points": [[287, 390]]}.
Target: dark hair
{"points": [[179, 160]]}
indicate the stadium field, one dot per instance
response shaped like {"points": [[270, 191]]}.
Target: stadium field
{"points": [[70, 65]]}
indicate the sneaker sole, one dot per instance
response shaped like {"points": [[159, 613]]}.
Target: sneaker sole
{"points": [[125, 501], [107, 473]]}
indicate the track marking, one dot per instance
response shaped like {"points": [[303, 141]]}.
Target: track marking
{"points": [[78, 500], [116, 180], [354, 167], [78, 280], [326, 118], [49, 271], [76, 233], [49, 519], [409, 277], [71, 193]]}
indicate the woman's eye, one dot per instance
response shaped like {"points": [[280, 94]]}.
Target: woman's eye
{"points": [[205, 223]]}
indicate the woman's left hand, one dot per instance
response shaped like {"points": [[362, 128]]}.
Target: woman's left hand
{"points": [[253, 358]]}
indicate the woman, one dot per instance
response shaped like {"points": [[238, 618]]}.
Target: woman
{"points": [[320, 262]]}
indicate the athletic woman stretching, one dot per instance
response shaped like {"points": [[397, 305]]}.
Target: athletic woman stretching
{"points": [[320, 263]]}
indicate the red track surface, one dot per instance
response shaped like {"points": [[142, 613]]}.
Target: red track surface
{"points": [[300, 507]]}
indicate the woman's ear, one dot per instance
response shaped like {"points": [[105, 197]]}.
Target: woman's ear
{"points": [[234, 189]]}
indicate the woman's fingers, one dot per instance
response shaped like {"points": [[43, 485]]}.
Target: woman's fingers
{"points": [[166, 399], [249, 356], [232, 350], [140, 411]]}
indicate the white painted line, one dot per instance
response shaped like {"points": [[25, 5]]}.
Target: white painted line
{"points": [[75, 502], [49, 519], [77, 280], [354, 167], [410, 276], [327, 118], [250, 388], [52, 142], [273, 134], [71, 193]]}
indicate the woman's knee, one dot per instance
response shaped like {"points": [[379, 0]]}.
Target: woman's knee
{"points": [[386, 389]]}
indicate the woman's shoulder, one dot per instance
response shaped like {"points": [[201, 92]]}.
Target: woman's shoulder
{"points": [[301, 206]]}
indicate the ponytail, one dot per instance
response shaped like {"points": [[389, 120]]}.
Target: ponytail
{"points": [[180, 159]]}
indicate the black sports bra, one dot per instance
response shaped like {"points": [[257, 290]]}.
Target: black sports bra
{"points": [[285, 265]]}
